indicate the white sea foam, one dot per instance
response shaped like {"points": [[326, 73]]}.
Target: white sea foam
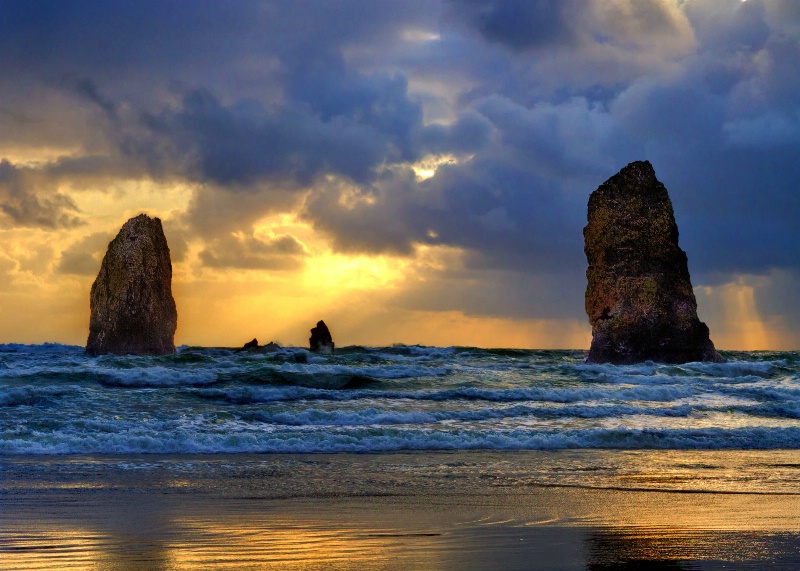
{"points": [[407, 353], [372, 416], [43, 348], [251, 394], [557, 395], [376, 372], [55, 399], [310, 440], [158, 377], [735, 368], [30, 395]]}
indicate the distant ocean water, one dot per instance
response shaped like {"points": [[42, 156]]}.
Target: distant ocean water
{"points": [[56, 400]]}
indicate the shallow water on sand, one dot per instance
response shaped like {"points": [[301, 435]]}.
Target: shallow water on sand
{"points": [[416, 510]]}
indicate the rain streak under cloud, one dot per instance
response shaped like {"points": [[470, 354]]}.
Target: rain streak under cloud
{"points": [[410, 171]]}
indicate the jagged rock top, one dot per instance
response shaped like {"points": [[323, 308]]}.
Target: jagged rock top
{"points": [[132, 308], [639, 296]]}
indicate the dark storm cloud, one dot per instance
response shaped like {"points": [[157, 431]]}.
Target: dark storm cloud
{"points": [[84, 256], [723, 29], [504, 216], [85, 87], [519, 24], [251, 253], [726, 149], [507, 206], [119, 45], [244, 143], [573, 138], [126, 36], [343, 123], [781, 298], [497, 293], [735, 214], [25, 201]]}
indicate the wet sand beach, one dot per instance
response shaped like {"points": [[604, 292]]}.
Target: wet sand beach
{"points": [[461, 510]]}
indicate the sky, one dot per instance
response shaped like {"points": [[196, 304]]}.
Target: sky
{"points": [[408, 171]]}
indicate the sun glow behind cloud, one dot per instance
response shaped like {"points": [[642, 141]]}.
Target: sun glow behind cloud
{"points": [[426, 168]]}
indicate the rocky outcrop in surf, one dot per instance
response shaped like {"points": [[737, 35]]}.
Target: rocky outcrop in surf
{"points": [[639, 296], [321, 340], [132, 308], [254, 347]]}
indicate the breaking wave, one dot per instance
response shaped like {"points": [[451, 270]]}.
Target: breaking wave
{"points": [[56, 400]]}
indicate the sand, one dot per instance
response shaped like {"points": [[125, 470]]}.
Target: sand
{"points": [[459, 510]]}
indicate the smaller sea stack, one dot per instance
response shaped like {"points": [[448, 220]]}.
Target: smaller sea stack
{"points": [[321, 340], [132, 308], [639, 296]]}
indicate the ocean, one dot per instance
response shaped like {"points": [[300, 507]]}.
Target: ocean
{"points": [[396, 458], [56, 400]]}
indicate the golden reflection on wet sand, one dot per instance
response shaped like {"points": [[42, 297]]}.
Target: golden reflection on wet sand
{"points": [[214, 535], [131, 523], [399, 533]]}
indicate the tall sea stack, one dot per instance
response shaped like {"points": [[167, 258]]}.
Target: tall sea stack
{"points": [[639, 296], [132, 308]]}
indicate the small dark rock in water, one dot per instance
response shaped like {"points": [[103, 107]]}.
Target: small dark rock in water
{"points": [[254, 347], [639, 296], [270, 347], [132, 308], [321, 340]]}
